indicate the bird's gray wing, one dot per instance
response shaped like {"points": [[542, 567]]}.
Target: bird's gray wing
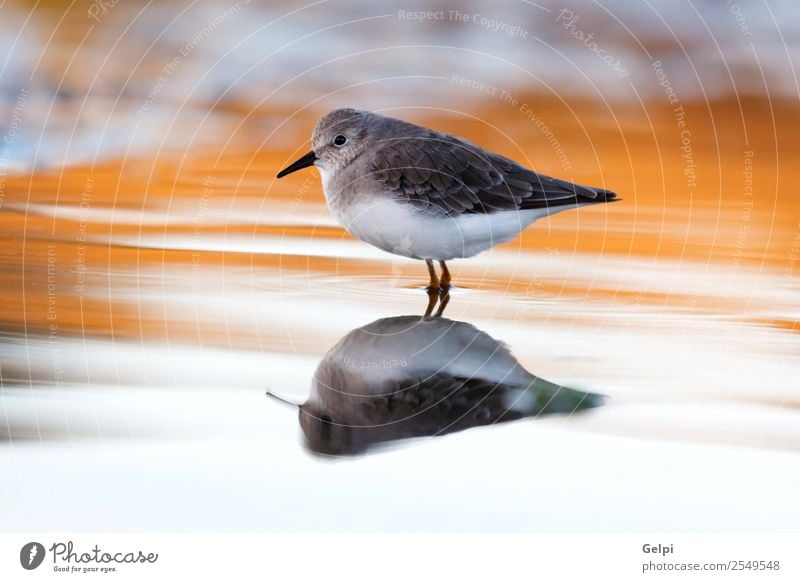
{"points": [[440, 404], [442, 171], [436, 405]]}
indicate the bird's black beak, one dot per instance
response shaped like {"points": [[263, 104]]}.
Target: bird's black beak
{"points": [[282, 400], [304, 162]]}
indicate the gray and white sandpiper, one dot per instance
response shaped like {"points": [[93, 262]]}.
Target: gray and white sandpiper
{"points": [[401, 377], [427, 195]]}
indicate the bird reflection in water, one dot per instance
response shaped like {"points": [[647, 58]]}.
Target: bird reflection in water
{"points": [[404, 377]]}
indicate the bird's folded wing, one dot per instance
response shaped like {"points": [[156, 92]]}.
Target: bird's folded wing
{"points": [[439, 404], [438, 170]]}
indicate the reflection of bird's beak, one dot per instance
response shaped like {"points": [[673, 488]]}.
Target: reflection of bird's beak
{"points": [[304, 162], [283, 400]]}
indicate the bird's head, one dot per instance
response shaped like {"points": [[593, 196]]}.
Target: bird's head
{"points": [[325, 435], [338, 138]]}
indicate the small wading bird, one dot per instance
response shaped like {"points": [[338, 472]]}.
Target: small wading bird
{"points": [[402, 377], [419, 193]]}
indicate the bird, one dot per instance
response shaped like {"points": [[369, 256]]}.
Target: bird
{"points": [[404, 377], [428, 195]]}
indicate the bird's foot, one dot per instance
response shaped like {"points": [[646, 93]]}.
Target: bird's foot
{"points": [[433, 299], [439, 294], [444, 299]]}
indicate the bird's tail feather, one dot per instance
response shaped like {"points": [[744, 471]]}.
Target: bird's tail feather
{"points": [[543, 397], [606, 196]]}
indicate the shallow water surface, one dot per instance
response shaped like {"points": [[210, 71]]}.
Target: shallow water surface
{"points": [[156, 281], [140, 340]]}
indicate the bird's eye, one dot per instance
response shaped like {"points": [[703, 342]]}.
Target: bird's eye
{"points": [[339, 141]]}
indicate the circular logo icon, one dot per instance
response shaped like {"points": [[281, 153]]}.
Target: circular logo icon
{"points": [[31, 555]]}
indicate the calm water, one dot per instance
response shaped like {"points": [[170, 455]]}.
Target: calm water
{"points": [[156, 281]]}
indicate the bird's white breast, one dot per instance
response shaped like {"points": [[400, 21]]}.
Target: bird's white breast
{"points": [[396, 349], [398, 227]]}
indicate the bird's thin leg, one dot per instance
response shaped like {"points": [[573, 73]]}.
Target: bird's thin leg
{"points": [[433, 289], [444, 284], [444, 299], [432, 299], [434, 282]]}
